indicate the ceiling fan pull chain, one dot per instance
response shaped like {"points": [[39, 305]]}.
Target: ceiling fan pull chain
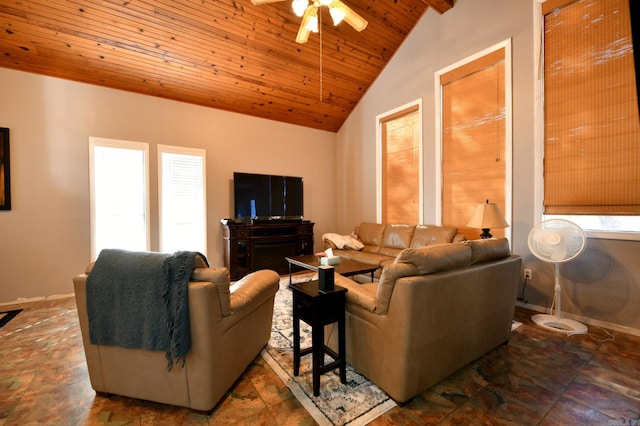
{"points": [[320, 31]]}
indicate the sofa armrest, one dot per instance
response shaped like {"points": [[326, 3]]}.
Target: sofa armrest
{"points": [[221, 279], [252, 291], [363, 295], [391, 273]]}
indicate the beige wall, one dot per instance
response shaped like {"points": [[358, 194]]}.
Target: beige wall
{"points": [[45, 238], [606, 287]]}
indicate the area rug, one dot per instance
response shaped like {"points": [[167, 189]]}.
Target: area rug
{"points": [[357, 402], [7, 316]]}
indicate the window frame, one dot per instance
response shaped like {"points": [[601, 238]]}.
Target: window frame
{"points": [[196, 152], [508, 154], [118, 144]]}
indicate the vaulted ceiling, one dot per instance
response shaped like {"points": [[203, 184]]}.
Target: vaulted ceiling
{"points": [[226, 54]]}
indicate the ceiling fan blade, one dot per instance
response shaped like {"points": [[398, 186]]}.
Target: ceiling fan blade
{"points": [[259, 2], [303, 31], [303, 35], [351, 17]]}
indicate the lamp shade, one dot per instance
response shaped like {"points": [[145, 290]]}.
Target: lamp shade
{"points": [[486, 216], [299, 6]]}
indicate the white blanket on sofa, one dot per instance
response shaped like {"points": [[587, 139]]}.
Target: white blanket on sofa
{"points": [[344, 241]]}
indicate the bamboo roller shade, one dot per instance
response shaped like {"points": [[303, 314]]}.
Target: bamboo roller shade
{"points": [[473, 140], [401, 167], [592, 130]]}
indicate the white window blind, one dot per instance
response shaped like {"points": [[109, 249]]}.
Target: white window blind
{"points": [[182, 199]]}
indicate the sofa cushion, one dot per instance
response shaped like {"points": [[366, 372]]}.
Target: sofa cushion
{"points": [[363, 295], [459, 238], [425, 235], [389, 252], [221, 279], [488, 249], [395, 238], [371, 236], [362, 256], [436, 258]]}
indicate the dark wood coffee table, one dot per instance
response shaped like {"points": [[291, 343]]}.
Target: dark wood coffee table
{"points": [[346, 267]]}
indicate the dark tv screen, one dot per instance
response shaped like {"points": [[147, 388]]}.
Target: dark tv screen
{"points": [[267, 196]]}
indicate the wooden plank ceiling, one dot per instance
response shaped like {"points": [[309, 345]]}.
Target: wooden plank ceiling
{"points": [[226, 54]]}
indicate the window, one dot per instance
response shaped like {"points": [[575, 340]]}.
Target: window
{"points": [[182, 199], [119, 195], [119, 175], [400, 165], [475, 137], [591, 127]]}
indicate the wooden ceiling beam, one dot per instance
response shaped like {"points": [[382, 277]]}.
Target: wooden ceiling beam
{"points": [[440, 6]]}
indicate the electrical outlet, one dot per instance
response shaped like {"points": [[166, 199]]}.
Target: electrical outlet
{"points": [[527, 274]]}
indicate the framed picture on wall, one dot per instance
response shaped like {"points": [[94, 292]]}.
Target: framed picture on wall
{"points": [[5, 174]]}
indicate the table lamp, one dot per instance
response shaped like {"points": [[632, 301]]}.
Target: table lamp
{"points": [[487, 216]]}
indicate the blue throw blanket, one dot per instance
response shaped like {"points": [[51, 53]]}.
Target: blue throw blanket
{"points": [[139, 300]]}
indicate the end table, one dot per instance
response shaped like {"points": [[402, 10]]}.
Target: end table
{"points": [[318, 309]]}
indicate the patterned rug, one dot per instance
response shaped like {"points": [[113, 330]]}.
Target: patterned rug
{"points": [[357, 402]]}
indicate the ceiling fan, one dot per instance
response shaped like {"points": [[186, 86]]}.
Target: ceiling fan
{"points": [[308, 10]]}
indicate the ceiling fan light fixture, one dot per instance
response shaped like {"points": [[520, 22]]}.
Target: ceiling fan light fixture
{"points": [[312, 24], [350, 16], [299, 6], [308, 10], [307, 25], [337, 15]]}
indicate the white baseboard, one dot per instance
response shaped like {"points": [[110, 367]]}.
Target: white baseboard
{"points": [[584, 320]]}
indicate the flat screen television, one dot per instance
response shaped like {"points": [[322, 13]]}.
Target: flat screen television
{"points": [[267, 197]]}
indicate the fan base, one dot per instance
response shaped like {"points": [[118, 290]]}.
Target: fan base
{"points": [[562, 325]]}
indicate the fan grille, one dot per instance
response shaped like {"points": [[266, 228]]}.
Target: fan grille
{"points": [[556, 240]]}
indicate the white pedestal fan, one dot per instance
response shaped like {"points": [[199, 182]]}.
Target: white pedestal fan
{"points": [[557, 241]]}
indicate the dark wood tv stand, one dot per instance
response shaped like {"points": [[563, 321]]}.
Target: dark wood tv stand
{"points": [[255, 246]]}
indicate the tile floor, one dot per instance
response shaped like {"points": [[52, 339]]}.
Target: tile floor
{"points": [[538, 378]]}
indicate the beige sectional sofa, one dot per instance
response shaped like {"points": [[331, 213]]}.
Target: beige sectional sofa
{"points": [[384, 241], [435, 309]]}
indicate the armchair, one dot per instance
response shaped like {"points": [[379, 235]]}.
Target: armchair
{"points": [[229, 325]]}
